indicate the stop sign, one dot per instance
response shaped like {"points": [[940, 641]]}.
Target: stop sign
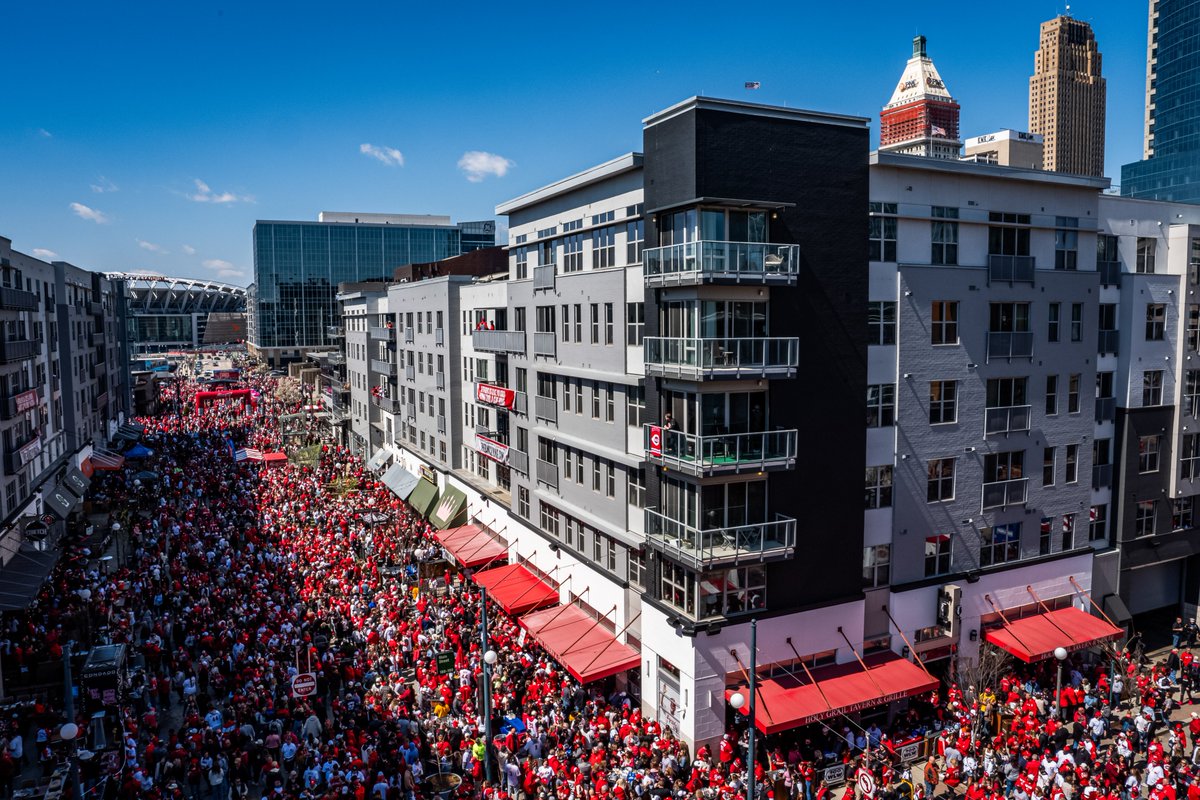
{"points": [[304, 684]]}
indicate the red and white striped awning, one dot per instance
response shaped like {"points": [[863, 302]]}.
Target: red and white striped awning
{"points": [[106, 459]]}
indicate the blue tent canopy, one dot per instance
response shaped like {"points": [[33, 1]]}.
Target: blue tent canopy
{"points": [[138, 451]]}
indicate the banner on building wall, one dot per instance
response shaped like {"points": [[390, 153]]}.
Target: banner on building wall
{"points": [[492, 449], [656, 437], [495, 395]]}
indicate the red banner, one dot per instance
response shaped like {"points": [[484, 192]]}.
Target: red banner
{"points": [[495, 395], [656, 437], [26, 400]]}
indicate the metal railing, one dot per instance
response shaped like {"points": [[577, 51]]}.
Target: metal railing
{"points": [[498, 341], [699, 547], [726, 358], [18, 299], [411, 410], [1006, 419], [547, 473], [1106, 409], [441, 381], [545, 408], [410, 335], [19, 350], [1017, 344], [999, 494], [732, 452], [545, 344], [1107, 342], [1102, 476], [410, 373], [521, 403], [1011, 269], [518, 461], [439, 335], [712, 261], [383, 367], [19, 403], [441, 423], [543, 277], [1110, 272], [382, 333], [388, 404]]}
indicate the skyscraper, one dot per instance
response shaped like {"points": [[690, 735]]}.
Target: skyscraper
{"points": [[1171, 167], [1067, 98], [921, 119]]}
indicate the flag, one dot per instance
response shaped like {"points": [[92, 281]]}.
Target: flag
{"points": [[248, 454], [753, 84], [939, 131]]}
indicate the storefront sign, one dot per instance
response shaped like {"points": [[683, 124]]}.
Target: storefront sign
{"points": [[656, 437], [495, 395], [26, 400], [428, 474], [492, 449]]}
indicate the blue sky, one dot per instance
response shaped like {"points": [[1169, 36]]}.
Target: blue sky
{"points": [[144, 136]]}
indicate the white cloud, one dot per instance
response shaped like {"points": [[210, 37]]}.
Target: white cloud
{"points": [[477, 165], [388, 155], [45, 133], [151, 246], [189, 250], [103, 185], [83, 211], [44, 254], [206, 195], [223, 268]]}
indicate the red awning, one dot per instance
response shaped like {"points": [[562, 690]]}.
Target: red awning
{"points": [[470, 546], [789, 702], [516, 588], [274, 458], [580, 643], [106, 459], [1036, 638]]}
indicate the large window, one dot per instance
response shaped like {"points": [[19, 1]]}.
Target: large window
{"points": [[635, 323], [879, 487], [1066, 242], [1143, 518], [881, 322], [1098, 523], [1051, 395], [1007, 392], [1004, 466], [732, 591], [940, 486], [1008, 317], [572, 259], [882, 236], [604, 247], [881, 405], [1148, 451], [676, 587], [1073, 393], [1183, 513], [999, 544], [1072, 464], [1189, 460], [944, 234], [1048, 466], [635, 234], [1156, 319], [1053, 322], [1191, 393], [943, 402], [943, 327], [1145, 254], [1009, 234], [877, 565], [937, 555], [1152, 387]]}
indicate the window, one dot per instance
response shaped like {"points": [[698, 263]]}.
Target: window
{"points": [[1051, 395], [1000, 544], [572, 259], [604, 247], [1192, 331], [635, 405], [1077, 322], [1098, 523], [1073, 393], [1143, 518], [595, 309], [636, 488], [608, 323], [882, 236], [578, 323], [943, 326], [549, 520], [675, 587], [1068, 533], [732, 591], [1066, 242], [635, 234], [1008, 317], [1046, 536], [1156, 318], [881, 322], [1004, 466], [1152, 387], [1010, 237], [877, 563], [1148, 450], [1189, 460], [522, 263], [1072, 463], [610, 479], [944, 234], [578, 395], [1048, 466], [937, 555], [1191, 393], [595, 474], [1182, 513], [943, 402], [635, 324], [595, 386], [1007, 392], [881, 405], [1145, 254], [568, 469], [941, 480], [566, 323], [1052, 322], [879, 487], [636, 564], [611, 547], [1106, 247]]}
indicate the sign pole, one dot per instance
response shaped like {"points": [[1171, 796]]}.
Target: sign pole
{"points": [[753, 692], [487, 686]]}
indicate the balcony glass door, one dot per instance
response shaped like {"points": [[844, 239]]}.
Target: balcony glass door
{"points": [[733, 412], [733, 319], [733, 505], [677, 228]]}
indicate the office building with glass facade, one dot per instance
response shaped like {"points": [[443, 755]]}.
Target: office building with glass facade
{"points": [[298, 266], [1171, 167]]}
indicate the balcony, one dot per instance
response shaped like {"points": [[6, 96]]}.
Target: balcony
{"points": [[722, 453], [334, 332], [999, 494], [389, 405], [498, 341], [1010, 269], [384, 367], [1003, 420], [543, 277], [1102, 476], [19, 403], [18, 299], [545, 344], [1106, 409], [545, 408], [1110, 272], [96, 309], [440, 381], [410, 373], [694, 263], [1017, 344], [441, 424], [439, 336], [518, 461], [20, 454], [410, 335], [708, 359], [19, 350], [1107, 342], [547, 473], [410, 411], [382, 334], [521, 403], [763, 541]]}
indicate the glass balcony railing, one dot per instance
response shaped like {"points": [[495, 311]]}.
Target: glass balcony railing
{"points": [[1106, 409], [381, 333], [383, 367], [721, 262], [701, 359], [1108, 342], [543, 277], [498, 341], [755, 542], [1110, 272], [733, 452], [1006, 419], [1010, 344], [999, 494], [1011, 269]]}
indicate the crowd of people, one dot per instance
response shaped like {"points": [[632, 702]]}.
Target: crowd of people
{"points": [[239, 576]]}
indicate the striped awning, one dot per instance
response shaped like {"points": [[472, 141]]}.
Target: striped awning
{"points": [[106, 459]]}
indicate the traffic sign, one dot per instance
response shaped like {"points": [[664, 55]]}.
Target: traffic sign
{"points": [[304, 684], [866, 783]]}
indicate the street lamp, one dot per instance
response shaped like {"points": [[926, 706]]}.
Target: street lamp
{"points": [[489, 659], [68, 733], [1060, 654], [738, 700]]}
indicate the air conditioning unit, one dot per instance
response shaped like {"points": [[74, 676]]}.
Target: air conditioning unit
{"points": [[949, 608]]}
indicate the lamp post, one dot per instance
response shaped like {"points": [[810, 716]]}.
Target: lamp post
{"points": [[489, 659], [1060, 655], [69, 733], [738, 700]]}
